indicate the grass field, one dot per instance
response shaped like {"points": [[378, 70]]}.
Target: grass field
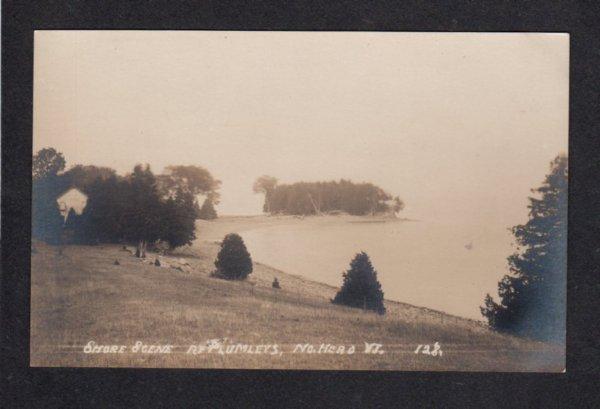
{"points": [[79, 295]]}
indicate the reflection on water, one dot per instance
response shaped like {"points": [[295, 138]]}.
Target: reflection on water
{"points": [[441, 266]]}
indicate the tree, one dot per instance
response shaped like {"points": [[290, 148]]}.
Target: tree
{"points": [[194, 179], [207, 211], [139, 208], [83, 176], [143, 206], [533, 296], [308, 198], [47, 163], [265, 184], [233, 261], [105, 217], [131, 209], [398, 205], [360, 288], [46, 220], [178, 219]]}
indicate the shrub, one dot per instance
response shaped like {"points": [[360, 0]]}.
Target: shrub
{"points": [[361, 289], [233, 261]]}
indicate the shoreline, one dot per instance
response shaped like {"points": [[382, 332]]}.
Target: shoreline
{"points": [[218, 228]]}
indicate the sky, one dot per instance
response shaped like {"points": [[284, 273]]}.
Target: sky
{"points": [[460, 126]]}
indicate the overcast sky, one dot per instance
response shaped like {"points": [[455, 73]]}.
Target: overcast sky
{"points": [[460, 126]]}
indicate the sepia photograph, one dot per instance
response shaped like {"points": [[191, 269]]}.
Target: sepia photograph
{"points": [[299, 200]]}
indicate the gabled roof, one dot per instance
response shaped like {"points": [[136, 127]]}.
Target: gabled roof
{"points": [[70, 189]]}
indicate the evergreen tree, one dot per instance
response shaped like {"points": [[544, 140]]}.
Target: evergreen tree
{"points": [[207, 211], [533, 297], [233, 261], [143, 209], [104, 217], [178, 219], [361, 289]]}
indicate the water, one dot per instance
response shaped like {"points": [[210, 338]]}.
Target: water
{"points": [[437, 265]]}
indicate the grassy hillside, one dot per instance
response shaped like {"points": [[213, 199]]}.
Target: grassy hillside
{"points": [[79, 294]]}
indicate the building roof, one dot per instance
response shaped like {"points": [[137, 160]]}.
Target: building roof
{"points": [[71, 190]]}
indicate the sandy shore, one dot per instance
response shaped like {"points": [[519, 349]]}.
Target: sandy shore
{"points": [[214, 230]]}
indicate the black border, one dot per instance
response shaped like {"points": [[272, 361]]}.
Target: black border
{"points": [[22, 386]]}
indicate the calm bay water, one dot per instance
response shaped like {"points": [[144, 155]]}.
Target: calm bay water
{"points": [[441, 266]]}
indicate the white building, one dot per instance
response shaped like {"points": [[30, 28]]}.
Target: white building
{"points": [[72, 199]]}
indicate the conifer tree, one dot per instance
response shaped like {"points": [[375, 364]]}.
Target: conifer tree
{"points": [[178, 219], [360, 288], [233, 261], [143, 209], [533, 296], [207, 211]]}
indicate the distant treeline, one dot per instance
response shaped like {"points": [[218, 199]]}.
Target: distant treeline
{"points": [[140, 207], [309, 198]]}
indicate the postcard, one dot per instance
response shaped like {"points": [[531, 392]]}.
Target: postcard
{"points": [[300, 200]]}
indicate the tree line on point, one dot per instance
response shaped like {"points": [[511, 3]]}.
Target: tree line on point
{"points": [[314, 198]]}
